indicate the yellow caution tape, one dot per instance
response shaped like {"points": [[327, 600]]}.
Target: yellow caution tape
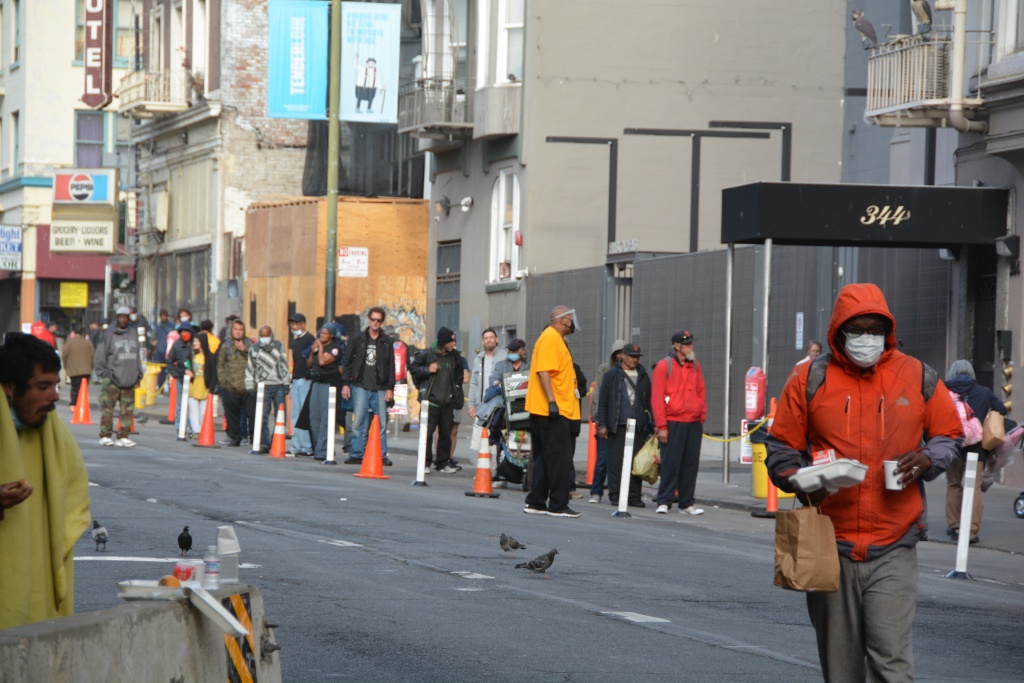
{"points": [[741, 436]]}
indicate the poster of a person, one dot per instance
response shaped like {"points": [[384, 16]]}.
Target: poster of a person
{"points": [[371, 37]]}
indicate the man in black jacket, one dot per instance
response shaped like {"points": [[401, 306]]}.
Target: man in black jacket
{"points": [[369, 376], [625, 394], [437, 372]]}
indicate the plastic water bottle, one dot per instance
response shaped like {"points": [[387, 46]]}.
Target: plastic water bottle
{"points": [[211, 568]]}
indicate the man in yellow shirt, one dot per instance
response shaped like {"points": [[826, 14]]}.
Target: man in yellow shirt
{"points": [[553, 401]]}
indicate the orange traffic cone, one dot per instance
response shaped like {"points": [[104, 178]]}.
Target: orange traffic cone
{"points": [[591, 453], [81, 416], [277, 445], [206, 439], [482, 482], [132, 430], [373, 463], [172, 406]]}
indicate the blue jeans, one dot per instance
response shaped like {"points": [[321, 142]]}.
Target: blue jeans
{"points": [[319, 430], [366, 404], [600, 468], [300, 437]]}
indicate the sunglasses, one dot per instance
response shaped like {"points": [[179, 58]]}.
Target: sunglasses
{"points": [[376, 320]]}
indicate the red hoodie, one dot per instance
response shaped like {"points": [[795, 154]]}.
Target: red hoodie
{"points": [[871, 415]]}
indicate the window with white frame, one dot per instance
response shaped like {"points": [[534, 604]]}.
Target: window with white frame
{"points": [[505, 250], [510, 41], [156, 39], [124, 33]]}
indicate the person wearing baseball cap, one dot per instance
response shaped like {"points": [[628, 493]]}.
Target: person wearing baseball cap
{"points": [[438, 374], [601, 465], [680, 408], [625, 395], [301, 340]]}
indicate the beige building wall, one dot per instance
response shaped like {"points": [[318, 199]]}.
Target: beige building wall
{"points": [[595, 67]]}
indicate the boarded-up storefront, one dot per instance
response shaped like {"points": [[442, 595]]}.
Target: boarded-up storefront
{"points": [[383, 243]]}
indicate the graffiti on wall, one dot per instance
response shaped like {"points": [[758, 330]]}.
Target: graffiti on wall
{"points": [[404, 322]]}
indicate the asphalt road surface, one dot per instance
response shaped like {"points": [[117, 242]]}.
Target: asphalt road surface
{"points": [[377, 580]]}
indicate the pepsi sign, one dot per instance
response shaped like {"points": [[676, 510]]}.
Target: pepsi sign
{"points": [[85, 186]]}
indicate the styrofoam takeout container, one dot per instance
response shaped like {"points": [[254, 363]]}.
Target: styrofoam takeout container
{"points": [[148, 590], [832, 475]]}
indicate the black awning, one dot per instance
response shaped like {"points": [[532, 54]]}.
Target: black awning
{"points": [[863, 215]]}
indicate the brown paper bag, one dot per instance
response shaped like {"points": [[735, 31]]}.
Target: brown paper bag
{"points": [[993, 431], [806, 558]]}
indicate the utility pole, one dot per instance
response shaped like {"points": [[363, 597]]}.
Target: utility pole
{"points": [[333, 104]]}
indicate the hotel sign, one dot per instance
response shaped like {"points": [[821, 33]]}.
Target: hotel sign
{"points": [[99, 58]]}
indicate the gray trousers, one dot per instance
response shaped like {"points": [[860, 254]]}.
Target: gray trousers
{"points": [[865, 629], [319, 430]]}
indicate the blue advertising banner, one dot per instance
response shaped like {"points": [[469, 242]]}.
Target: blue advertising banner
{"points": [[370, 40], [297, 70]]}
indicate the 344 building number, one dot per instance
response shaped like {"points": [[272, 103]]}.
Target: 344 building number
{"points": [[884, 215]]}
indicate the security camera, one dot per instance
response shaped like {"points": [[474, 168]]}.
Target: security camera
{"points": [[466, 203], [520, 274]]}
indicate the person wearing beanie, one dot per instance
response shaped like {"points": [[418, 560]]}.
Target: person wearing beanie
{"points": [[961, 380], [179, 360], [601, 465], [118, 364], [368, 374], [437, 372], [324, 358]]}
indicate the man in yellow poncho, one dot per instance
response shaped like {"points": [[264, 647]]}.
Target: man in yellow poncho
{"points": [[44, 488]]}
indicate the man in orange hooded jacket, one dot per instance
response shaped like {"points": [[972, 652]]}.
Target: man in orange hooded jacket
{"points": [[873, 405]]}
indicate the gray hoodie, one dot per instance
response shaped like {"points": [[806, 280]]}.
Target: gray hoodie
{"points": [[118, 359]]}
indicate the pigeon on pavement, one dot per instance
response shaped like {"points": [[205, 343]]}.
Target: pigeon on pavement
{"points": [[510, 545], [184, 541], [100, 535], [539, 565]]}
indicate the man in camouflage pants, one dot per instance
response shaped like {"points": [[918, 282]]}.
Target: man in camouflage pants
{"points": [[119, 367]]}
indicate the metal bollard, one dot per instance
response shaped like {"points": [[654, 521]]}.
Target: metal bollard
{"points": [[966, 511], [332, 415], [421, 450], [257, 435], [184, 408], [627, 470]]}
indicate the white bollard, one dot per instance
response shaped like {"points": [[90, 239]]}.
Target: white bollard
{"points": [[257, 435], [184, 408], [421, 450], [627, 470], [332, 429], [966, 512]]}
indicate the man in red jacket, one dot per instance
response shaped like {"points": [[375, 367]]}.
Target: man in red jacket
{"points": [[679, 407], [869, 402]]}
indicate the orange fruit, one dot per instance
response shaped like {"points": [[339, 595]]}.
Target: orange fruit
{"points": [[170, 581]]}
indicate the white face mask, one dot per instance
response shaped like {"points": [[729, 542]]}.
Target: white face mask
{"points": [[296, 333], [865, 350], [266, 340], [184, 318]]}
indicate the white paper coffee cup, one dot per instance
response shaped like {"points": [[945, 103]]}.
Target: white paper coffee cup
{"points": [[892, 480]]}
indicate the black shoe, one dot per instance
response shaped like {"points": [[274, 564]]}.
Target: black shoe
{"points": [[230, 442], [954, 534], [352, 461], [638, 504], [564, 512], [387, 461], [264, 450], [536, 510], [973, 540]]}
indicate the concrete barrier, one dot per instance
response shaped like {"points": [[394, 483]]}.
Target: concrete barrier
{"points": [[143, 641]]}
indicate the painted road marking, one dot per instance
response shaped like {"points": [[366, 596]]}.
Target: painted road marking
{"points": [[639, 618], [341, 544], [472, 575], [122, 558]]}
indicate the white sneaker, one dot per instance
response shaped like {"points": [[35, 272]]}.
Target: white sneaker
{"points": [[692, 510], [106, 441], [662, 510], [125, 443], [594, 499]]}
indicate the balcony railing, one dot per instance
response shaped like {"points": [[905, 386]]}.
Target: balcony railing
{"points": [[433, 107], [907, 74], [154, 93]]}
